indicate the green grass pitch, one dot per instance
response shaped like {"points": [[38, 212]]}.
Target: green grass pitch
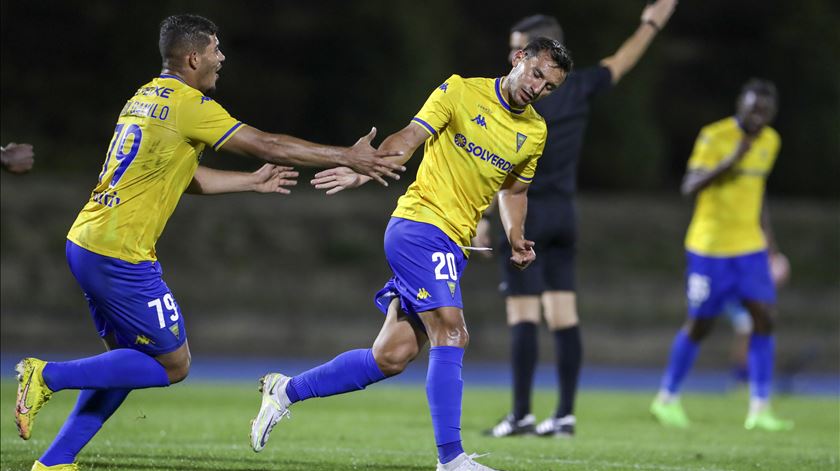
{"points": [[204, 426]]}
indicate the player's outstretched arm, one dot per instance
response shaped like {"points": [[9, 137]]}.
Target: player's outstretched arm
{"points": [[654, 17], [513, 205], [269, 178], [403, 143], [17, 158], [284, 149]]}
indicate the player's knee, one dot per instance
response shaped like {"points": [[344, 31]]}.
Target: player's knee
{"points": [[178, 371], [763, 324], [178, 374], [394, 361], [454, 336], [698, 329], [762, 316]]}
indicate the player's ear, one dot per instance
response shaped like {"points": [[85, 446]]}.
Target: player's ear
{"points": [[193, 59], [517, 57]]}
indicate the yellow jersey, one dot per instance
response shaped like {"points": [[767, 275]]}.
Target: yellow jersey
{"points": [[727, 213], [160, 135], [475, 140]]}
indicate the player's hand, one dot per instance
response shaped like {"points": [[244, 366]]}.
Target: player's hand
{"points": [[482, 237], [659, 12], [779, 268], [366, 160], [744, 146], [522, 253], [336, 179], [272, 178], [18, 158]]}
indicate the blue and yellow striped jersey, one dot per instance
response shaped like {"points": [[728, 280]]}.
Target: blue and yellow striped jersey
{"points": [[475, 140], [160, 135], [727, 213]]}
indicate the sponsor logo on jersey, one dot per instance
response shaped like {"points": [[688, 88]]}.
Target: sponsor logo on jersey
{"points": [[423, 294], [143, 340], [444, 86], [483, 154]]}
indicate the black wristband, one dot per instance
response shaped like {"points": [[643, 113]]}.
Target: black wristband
{"points": [[652, 24]]}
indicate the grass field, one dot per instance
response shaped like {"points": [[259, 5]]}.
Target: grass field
{"points": [[204, 426]]}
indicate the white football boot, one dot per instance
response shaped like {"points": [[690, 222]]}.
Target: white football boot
{"points": [[464, 462], [275, 406]]}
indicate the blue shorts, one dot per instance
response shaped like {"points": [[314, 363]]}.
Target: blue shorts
{"points": [[129, 300], [711, 282], [427, 265]]}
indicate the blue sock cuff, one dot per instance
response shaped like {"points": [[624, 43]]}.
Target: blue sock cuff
{"points": [[449, 451], [453, 355]]}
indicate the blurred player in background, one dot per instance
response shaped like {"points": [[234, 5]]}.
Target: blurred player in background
{"points": [[151, 161], [728, 247], [482, 136], [549, 287], [17, 158]]}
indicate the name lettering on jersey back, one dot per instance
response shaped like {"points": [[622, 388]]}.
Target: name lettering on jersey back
{"points": [[154, 90], [483, 154], [141, 109]]}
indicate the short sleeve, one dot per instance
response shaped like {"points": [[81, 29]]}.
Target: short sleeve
{"points": [[440, 106], [595, 80], [705, 155], [525, 171], [202, 119]]}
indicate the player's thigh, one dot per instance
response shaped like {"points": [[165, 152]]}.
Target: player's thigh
{"points": [[522, 309], [756, 289], [710, 283], [399, 341], [560, 309]]}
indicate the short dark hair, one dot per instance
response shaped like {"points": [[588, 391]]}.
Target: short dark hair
{"points": [[182, 34], [539, 25], [559, 54], [761, 87]]}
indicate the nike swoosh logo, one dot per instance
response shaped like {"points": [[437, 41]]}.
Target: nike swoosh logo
{"points": [[21, 405]]}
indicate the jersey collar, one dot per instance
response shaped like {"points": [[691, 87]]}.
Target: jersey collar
{"points": [[170, 76], [505, 105]]}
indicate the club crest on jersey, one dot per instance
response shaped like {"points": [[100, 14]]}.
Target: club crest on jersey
{"points": [[423, 294], [176, 331], [480, 121], [520, 139], [451, 285]]}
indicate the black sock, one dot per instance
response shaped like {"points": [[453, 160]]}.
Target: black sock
{"points": [[523, 348], [569, 353]]}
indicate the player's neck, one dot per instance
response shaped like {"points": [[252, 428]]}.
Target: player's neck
{"points": [[177, 73], [506, 94]]}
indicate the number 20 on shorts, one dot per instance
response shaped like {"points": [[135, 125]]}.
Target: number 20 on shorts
{"points": [[445, 260]]}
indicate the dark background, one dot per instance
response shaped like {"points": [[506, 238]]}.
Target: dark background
{"points": [[290, 275]]}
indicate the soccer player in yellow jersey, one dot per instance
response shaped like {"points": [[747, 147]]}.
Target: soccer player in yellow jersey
{"points": [[727, 250], [152, 159], [481, 136]]}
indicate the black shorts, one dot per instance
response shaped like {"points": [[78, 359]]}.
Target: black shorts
{"points": [[552, 224]]}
